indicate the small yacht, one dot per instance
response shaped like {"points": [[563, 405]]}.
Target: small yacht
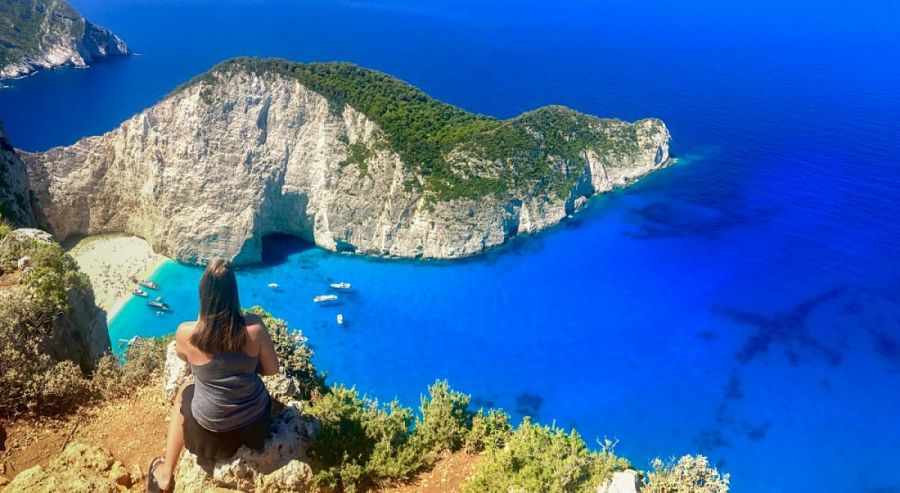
{"points": [[340, 319], [325, 298], [148, 284], [342, 286], [273, 285], [139, 292], [159, 305]]}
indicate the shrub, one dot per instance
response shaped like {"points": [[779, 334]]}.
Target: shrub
{"points": [[32, 381], [143, 360], [31, 300], [445, 419], [690, 474], [490, 431], [544, 458], [294, 357], [361, 442]]}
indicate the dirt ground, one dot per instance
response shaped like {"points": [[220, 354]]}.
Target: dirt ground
{"points": [[132, 429]]}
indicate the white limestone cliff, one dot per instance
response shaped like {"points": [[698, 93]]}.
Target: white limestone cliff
{"points": [[218, 165]]}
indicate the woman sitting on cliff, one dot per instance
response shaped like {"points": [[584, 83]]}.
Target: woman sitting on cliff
{"points": [[227, 406]]}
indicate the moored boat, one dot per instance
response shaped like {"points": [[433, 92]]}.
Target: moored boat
{"points": [[159, 305], [139, 292], [148, 284], [342, 286], [325, 298]]}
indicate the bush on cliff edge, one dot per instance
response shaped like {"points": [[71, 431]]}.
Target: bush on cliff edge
{"points": [[31, 298]]}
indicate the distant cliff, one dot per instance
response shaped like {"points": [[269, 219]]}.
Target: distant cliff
{"points": [[348, 158], [37, 34]]}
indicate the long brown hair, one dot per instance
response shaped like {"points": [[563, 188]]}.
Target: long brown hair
{"points": [[221, 327]]}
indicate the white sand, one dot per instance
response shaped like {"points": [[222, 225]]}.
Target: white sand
{"points": [[110, 261]]}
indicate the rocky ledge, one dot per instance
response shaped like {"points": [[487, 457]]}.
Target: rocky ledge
{"points": [[40, 34], [350, 159]]}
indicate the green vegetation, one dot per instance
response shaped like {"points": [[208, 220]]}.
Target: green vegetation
{"points": [[20, 26], [546, 459], [690, 474], [454, 153], [358, 154], [364, 443], [33, 381]]}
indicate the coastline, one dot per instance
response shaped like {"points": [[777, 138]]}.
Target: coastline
{"points": [[110, 261]]}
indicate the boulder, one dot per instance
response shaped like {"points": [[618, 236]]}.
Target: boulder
{"points": [[23, 234], [80, 468], [175, 373], [622, 482], [281, 466]]}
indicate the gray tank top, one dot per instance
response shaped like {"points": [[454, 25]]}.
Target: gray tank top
{"points": [[228, 393]]}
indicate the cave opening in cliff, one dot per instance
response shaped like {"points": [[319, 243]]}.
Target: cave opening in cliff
{"points": [[276, 247]]}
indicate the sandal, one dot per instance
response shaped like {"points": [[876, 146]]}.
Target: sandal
{"points": [[152, 485]]}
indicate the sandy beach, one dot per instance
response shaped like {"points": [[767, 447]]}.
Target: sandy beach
{"points": [[111, 261]]}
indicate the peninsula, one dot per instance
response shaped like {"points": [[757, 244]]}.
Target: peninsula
{"points": [[40, 34], [347, 158]]}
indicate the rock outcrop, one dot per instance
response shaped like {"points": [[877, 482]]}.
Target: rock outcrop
{"points": [[622, 482], [79, 468], [40, 34], [282, 465], [15, 200], [260, 147]]}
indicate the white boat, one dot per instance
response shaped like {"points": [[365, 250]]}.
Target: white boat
{"points": [[159, 305], [139, 292], [340, 319], [273, 285], [148, 284], [325, 298], [343, 286]]}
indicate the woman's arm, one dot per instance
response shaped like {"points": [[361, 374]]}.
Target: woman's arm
{"points": [[268, 360]]}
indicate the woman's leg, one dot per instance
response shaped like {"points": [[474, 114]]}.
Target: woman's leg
{"points": [[174, 445]]}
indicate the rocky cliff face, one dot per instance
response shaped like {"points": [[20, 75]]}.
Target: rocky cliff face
{"points": [[244, 152], [15, 201], [38, 34]]}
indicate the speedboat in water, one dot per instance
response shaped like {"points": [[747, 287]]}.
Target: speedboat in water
{"points": [[139, 292], [340, 319], [325, 298], [273, 285], [148, 284], [341, 286]]}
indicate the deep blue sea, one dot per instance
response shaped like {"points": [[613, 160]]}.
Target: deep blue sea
{"points": [[743, 304]]}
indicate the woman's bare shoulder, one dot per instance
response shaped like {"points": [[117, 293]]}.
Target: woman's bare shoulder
{"points": [[255, 325], [184, 331]]}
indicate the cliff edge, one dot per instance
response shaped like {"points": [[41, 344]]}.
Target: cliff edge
{"points": [[350, 159], [39, 34], [15, 195]]}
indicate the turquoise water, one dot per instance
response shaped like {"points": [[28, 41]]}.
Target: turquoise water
{"points": [[743, 303]]}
